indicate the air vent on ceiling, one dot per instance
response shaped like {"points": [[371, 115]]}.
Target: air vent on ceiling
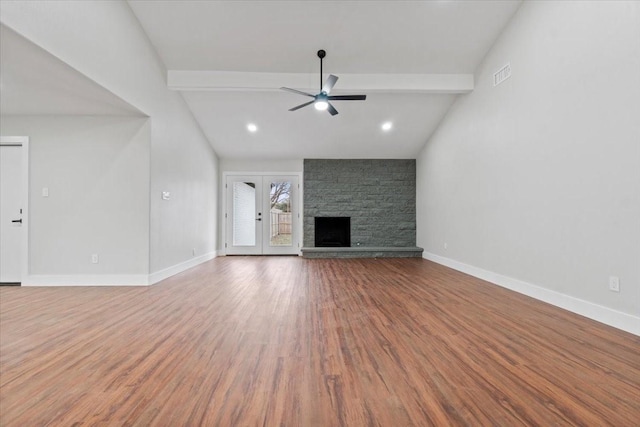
{"points": [[502, 74]]}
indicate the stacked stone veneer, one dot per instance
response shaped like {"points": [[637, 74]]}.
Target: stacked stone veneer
{"points": [[378, 195]]}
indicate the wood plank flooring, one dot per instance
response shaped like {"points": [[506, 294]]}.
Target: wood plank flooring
{"points": [[287, 341]]}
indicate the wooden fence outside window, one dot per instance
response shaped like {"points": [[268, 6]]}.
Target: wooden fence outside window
{"points": [[280, 222]]}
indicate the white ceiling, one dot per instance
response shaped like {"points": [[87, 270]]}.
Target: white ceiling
{"points": [[35, 82], [359, 36], [388, 41], [307, 133], [411, 59]]}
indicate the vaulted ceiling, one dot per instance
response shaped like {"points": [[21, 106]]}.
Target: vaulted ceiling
{"points": [[402, 54], [34, 82], [229, 59]]}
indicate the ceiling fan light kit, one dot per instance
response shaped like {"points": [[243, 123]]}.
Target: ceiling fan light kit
{"points": [[321, 104], [321, 99]]}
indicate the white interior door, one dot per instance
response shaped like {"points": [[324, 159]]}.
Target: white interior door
{"points": [[11, 213], [262, 215]]}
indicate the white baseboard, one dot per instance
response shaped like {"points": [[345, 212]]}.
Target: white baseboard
{"points": [[179, 268], [115, 279], [617, 319], [87, 280]]}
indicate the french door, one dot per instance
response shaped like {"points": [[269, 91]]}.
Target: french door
{"points": [[262, 215]]}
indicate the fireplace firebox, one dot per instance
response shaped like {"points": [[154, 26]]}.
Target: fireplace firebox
{"points": [[334, 231]]}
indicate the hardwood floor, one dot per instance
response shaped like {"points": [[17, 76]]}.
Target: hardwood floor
{"points": [[271, 341]]}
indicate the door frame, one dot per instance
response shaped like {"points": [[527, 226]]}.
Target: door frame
{"points": [[24, 256], [223, 218]]}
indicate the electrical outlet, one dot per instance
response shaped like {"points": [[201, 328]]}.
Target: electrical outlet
{"points": [[94, 258], [446, 246], [614, 283]]}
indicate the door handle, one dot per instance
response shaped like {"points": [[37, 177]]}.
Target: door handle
{"points": [[17, 220], [258, 219]]}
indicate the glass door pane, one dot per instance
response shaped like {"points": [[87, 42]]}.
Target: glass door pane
{"points": [[281, 235], [280, 214]]}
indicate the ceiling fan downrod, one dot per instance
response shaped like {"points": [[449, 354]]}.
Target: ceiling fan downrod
{"points": [[321, 55]]}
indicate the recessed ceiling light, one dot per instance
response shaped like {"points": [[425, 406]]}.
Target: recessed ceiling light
{"points": [[252, 128], [386, 126]]}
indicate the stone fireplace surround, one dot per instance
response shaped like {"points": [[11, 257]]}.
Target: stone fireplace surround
{"points": [[378, 194]]}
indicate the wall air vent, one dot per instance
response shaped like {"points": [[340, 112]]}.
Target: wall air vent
{"points": [[502, 74]]}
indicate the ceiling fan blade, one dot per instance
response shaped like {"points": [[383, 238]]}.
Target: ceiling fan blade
{"points": [[332, 110], [302, 105], [299, 92], [348, 97], [329, 84]]}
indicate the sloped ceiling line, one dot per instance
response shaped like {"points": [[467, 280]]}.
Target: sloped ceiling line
{"points": [[36, 82]]}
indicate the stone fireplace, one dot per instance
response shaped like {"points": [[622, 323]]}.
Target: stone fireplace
{"points": [[378, 197]]}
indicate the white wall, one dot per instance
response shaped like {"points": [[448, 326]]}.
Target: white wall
{"points": [[97, 172], [538, 179], [257, 165], [105, 42]]}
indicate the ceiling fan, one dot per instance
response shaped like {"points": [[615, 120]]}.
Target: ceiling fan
{"points": [[321, 100]]}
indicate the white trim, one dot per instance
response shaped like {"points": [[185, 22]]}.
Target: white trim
{"points": [[87, 280], [617, 319], [24, 142], [179, 268], [115, 279]]}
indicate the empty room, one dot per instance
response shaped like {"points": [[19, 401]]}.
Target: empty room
{"points": [[319, 213]]}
